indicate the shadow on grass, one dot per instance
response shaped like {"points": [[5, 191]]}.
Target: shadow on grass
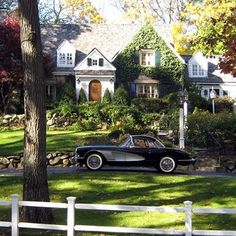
{"points": [[141, 188], [12, 147]]}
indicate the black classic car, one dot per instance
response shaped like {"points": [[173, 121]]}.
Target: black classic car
{"points": [[137, 150]]}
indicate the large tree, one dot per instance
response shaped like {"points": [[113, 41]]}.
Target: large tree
{"points": [[11, 74], [68, 11], [211, 26], [10, 64], [163, 11], [35, 186]]}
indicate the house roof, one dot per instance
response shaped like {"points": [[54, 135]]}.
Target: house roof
{"points": [[109, 39], [215, 76], [101, 54]]}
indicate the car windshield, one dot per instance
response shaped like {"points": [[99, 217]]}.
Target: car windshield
{"points": [[142, 142]]}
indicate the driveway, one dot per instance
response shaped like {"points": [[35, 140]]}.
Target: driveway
{"points": [[73, 169]]}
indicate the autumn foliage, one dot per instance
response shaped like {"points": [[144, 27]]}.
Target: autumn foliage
{"points": [[11, 70]]}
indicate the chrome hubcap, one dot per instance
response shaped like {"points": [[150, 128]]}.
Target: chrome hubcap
{"points": [[167, 164], [94, 162]]}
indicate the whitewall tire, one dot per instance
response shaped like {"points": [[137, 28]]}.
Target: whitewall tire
{"points": [[167, 164], [94, 161]]}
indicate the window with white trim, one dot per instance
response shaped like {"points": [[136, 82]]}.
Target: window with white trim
{"points": [[94, 62], [147, 57], [197, 70], [146, 90], [65, 59]]}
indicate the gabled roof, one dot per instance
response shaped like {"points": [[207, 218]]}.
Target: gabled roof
{"points": [[215, 76], [89, 54], [67, 44], [110, 39]]}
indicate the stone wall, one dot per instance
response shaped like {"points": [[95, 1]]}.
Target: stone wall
{"points": [[206, 162], [12, 120], [54, 159], [53, 120]]}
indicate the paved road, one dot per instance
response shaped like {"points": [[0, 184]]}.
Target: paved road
{"points": [[119, 169]]}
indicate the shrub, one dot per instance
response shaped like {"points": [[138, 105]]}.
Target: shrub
{"points": [[205, 128], [151, 120], [67, 93], [65, 108], [117, 113], [91, 110], [149, 105], [121, 96], [223, 104], [107, 97], [85, 125], [82, 97]]}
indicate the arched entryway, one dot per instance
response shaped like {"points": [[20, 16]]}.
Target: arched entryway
{"points": [[95, 90]]}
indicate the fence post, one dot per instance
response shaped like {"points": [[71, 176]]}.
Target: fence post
{"points": [[188, 218], [15, 215], [70, 216]]}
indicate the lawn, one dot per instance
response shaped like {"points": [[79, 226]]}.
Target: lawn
{"points": [[11, 142], [136, 188]]}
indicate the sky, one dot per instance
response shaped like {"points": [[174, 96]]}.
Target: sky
{"points": [[109, 9]]}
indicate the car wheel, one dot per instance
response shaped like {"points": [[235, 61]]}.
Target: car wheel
{"points": [[167, 164], [94, 161]]}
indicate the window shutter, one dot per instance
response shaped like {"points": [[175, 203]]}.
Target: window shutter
{"points": [[136, 57], [157, 58], [89, 61], [101, 62], [133, 89]]}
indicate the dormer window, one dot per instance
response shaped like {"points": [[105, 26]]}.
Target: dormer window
{"points": [[197, 70], [66, 55], [197, 66], [65, 59]]}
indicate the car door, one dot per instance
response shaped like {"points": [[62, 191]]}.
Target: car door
{"points": [[156, 150], [138, 151]]}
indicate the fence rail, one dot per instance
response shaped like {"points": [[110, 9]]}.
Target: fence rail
{"points": [[71, 228]]}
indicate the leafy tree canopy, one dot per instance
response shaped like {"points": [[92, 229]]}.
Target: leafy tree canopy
{"points": [[212, 25], [11, 71], [8, 4], [68, 11], [165, 11]]}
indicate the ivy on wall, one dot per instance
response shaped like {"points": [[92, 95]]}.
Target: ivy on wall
{"points": [[170, 71]]}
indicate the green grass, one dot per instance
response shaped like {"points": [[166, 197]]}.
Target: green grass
{"points": [[130, 188], [11, 142]]}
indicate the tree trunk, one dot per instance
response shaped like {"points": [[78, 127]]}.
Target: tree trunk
{"points": [[35, 186]]}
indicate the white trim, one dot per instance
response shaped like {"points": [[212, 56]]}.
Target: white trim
{"points": [[94, 76], [111, 67], [63, 73], [66, 48], [151, 58], [199, 61]]}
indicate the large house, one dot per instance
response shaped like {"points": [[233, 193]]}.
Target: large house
{"points": [[142, 58]]}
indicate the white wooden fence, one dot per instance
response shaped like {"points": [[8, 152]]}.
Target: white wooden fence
{"points": [[71, 228]]}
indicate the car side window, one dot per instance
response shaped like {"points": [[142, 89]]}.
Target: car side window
{"points": [[141, 143]]}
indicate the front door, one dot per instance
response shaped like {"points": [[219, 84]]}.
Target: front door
{"points": [[95, 90]]}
